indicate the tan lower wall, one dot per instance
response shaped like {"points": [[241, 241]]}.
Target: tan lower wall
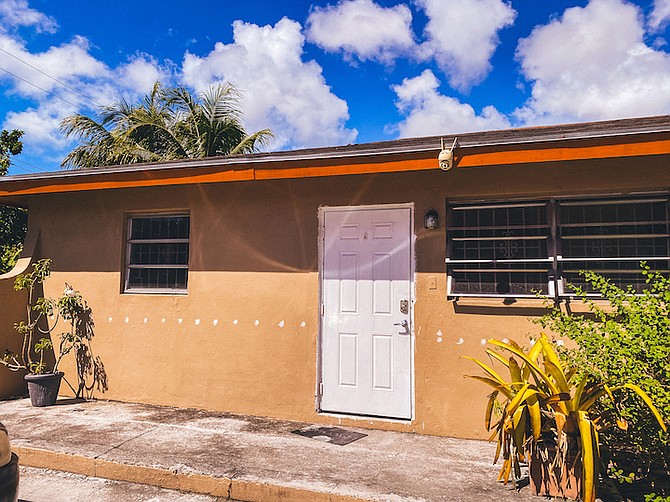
{"points": [[245, 337], [252, 357]]}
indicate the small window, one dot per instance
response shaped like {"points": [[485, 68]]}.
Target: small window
{"points": [[498, 249], [157, 254]]}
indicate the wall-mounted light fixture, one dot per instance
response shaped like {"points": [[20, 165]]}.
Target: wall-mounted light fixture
{"points": [[446, 156], [431, 220]]}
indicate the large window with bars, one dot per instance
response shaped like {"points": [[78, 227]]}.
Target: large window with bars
{"points": [[157, 253], [520, 249]]}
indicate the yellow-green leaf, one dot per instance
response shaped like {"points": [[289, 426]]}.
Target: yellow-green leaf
{"points": [[589, 460], [648, 402], [489, 409]]}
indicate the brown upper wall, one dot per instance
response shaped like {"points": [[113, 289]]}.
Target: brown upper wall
{"points": [[271, 226]]}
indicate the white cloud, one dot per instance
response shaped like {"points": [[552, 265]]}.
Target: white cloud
{"points": [[660, 14], [593, 64], [41, 126], [63, 80], [280, 90], [427, 112], [362, 29], [462, 35], [68, 63], [140, 74], [16, 13]]}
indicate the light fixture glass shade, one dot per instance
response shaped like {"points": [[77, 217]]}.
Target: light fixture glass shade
{"points": [[431, 220]]}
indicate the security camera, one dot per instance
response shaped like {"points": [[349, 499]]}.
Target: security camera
{"points": [[446, 159], [446, 156]]}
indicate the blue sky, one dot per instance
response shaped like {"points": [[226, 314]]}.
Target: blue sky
{"points": [[323, 73]]}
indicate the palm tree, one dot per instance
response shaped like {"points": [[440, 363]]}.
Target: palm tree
{"points": [[167, 124]]}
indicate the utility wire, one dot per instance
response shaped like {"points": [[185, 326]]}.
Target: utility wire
{"points": [[13, 162], [52, 78], [21, 168], [40, 88]]}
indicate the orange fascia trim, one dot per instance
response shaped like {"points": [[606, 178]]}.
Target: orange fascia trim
{"points": [[661, 147], [495, 156], [149, 179]]}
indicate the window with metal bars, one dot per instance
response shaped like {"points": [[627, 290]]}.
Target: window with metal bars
{"points": [[157, 254], [519, 249]]}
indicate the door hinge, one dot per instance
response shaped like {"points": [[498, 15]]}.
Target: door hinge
{"points": [[323, 309], [320, 388]]}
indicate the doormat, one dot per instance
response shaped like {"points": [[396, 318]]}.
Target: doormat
{"points": [[332, 435]]}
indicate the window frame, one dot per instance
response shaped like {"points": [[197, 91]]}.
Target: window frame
{"points": [[492, 205], [556, 285], [129, 241]]}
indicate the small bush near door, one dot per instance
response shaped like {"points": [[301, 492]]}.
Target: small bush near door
{"points": [[626, 338]]}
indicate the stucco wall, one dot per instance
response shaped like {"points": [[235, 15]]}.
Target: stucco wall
{"points": [[12, 306], [244, 339]]}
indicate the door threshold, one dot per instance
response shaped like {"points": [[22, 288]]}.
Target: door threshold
{"points": [[369, 418]]}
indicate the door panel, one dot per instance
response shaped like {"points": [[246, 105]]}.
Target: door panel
{"points": [[366, 350]]}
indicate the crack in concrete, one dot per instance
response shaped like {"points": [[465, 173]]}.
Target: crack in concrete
{"points": [[124, 442]]}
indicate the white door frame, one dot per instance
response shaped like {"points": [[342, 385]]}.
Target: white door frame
{"points": [[321, 256]]}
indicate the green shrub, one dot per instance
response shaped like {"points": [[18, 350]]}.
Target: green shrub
{"points": [[627, 339]]}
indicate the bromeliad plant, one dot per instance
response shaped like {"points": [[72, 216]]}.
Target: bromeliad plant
{"points": [[34, 330], [548, 404]]}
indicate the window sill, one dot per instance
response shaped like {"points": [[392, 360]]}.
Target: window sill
{"points": [[160, 292], [473, 301]]}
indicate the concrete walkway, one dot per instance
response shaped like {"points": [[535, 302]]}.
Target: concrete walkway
{"points": [[249, 458]]}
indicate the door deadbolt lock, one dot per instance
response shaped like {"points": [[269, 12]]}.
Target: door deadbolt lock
{"points": [[404, 307]]}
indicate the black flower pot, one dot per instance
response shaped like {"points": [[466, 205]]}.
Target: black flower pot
{"points": [[43, 389]]}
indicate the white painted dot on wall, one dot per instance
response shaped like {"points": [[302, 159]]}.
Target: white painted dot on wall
{"points": [[126, 320], [439, 339], [197, 322], [215, 322], [460, 341], [256, 322], [109, 320], [505, 340], [180, 321], [303, 324], [235, 321], [163, 320], [281, 323], [146, 320], [560, 343], [483, 342]]}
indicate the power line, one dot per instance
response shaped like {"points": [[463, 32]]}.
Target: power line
{"points": [[15, 160], [38, 87], [24, 169], [52, 78]]}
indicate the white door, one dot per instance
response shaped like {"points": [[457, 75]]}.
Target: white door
{"points": [[366, 337]]}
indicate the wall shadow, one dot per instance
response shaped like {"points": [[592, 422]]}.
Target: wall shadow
{"points": [[91, 374]]}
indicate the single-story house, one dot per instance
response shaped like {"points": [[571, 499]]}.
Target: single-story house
{"points": [[342, 285]]}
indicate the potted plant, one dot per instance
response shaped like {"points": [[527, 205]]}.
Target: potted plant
{"points": [[44, 379], [549, 417]]}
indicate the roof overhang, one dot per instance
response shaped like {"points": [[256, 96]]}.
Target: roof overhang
{"points": [[595, 140]]}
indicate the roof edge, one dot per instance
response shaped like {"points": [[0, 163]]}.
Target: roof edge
{"points": [[523, 136]]}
